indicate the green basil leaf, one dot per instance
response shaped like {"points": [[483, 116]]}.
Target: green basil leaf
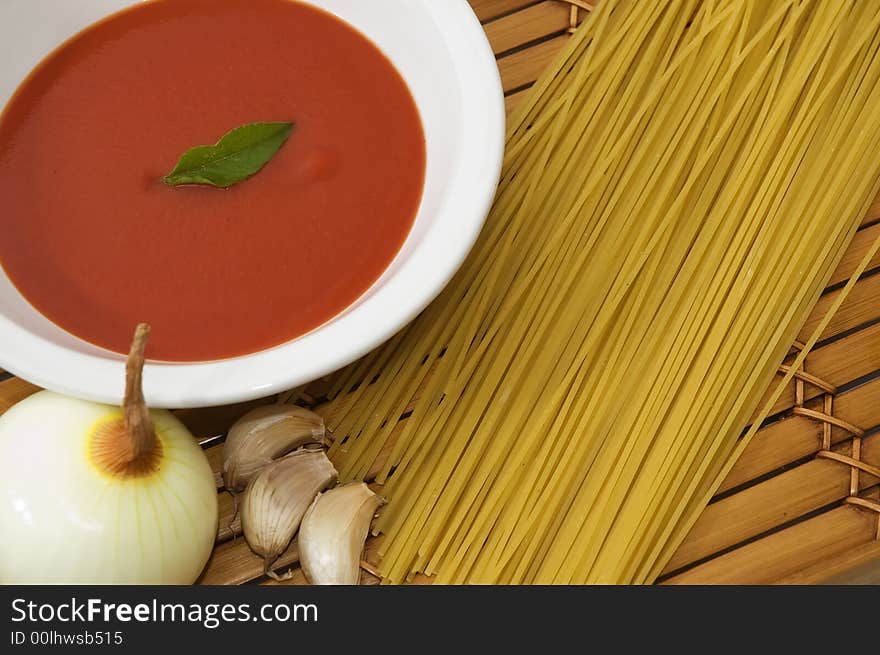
{"points": [[237, 156]]}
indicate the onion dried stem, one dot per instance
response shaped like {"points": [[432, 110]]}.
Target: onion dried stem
{"points": [[138, 423]]}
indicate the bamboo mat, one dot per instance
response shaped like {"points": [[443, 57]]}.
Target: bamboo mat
{"points": [[801, 505]]}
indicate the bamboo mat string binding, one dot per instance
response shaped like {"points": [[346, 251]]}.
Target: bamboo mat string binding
{"points": [[575, 15], [826, 417]]}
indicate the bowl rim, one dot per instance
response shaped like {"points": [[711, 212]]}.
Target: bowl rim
{"points": [[419, 278]]}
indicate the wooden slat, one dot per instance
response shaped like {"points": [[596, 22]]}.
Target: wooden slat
{"points": [[771, 503], [861, 306], [783, 553], [211, 421], [215, 459], [513, 101], [228, 519], [790, 494], [299, 578], [487, 10], [524, 67], [532, 23], [873, 212], [861, 565], [796, 437], [370, 555], [14, 390], [839, 362], [233, 562], [858, 247]]}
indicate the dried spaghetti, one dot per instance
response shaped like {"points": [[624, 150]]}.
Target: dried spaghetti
{"points": [[677, 190]]}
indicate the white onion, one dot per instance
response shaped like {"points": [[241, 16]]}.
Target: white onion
{"points": [[65, 520]]}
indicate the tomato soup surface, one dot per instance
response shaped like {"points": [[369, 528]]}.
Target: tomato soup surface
{"points": [[95, 240]]}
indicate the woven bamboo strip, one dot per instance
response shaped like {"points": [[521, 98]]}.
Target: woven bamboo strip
{"points": [[838, 415], [861, 305], [784, 553], [14, 390], [771, 503], [522, 68], [795, 438], [859, 244], [233, 563], [512, 101], [487, 10], [209, 421], [299, 578], [215, 459], [227, 526], [860, 565], [535, 22], [841, 361], [873, 212]]}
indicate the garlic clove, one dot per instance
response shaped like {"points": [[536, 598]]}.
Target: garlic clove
{"points": [[262, 435], [276, 499], [333, 531]]}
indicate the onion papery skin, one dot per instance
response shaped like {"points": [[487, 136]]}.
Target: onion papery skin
{"points": [[63, 520]]}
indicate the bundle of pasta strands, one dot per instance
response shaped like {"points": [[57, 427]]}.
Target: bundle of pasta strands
{"points": [[677, 190]]}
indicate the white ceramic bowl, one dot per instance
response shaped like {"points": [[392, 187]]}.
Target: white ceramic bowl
{"points": [[442, 52]]}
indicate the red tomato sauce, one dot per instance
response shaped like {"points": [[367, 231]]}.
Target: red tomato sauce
{"points": [[94, 239]]}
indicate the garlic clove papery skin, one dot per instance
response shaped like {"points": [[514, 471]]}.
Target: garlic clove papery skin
{"points": [[276, 499], [264, 434], [63, 520], [333, 532]]}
